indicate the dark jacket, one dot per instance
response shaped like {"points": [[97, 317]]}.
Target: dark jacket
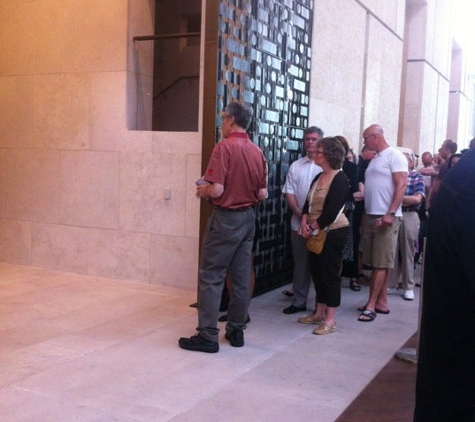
{"points": [[334, 201], [351, 171]]}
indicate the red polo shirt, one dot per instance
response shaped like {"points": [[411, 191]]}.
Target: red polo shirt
{"points": [[239, 165]]}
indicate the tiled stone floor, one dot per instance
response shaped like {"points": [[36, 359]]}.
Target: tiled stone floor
{"points": [[80, 348]]}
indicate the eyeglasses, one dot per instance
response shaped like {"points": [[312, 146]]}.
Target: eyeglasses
{"points": [[369, 136], [311, 138]]}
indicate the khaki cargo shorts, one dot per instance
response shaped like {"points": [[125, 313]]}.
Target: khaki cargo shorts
{"points": [[379, 243]]}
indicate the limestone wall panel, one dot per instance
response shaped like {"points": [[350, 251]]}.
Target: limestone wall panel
{"points": [[61, 110], [90, 189], [337, 64], [16, 112], [32, 185], [15, 242], [439, 36], [383, 79], [119, 254], [391, 13], [177, 264], [58, 247], [143, 179]]}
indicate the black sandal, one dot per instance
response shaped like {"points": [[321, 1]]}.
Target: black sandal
{"points": [[367, 316], [355, 286]]}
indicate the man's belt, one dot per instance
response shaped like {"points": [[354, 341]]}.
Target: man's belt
{"points": [[235, 209], [409, 209]]}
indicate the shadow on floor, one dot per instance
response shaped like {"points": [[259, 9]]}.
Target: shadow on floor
{"points": [[389, 397]]}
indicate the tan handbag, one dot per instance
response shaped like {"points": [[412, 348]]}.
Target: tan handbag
{"points": [[316, 242]]}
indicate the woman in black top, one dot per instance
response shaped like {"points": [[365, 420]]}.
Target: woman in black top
{"points": [[324, 210]]}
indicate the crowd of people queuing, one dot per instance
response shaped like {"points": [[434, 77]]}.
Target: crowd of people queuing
{"points": [[374, 211]]}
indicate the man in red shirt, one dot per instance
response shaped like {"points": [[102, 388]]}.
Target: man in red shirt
{"points": [[235, 181]]}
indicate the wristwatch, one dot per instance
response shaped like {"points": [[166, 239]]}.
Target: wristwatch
{"points": [[392, 214]]}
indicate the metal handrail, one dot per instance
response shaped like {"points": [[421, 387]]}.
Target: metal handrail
{"points": [[175, 82], [167, 36]]}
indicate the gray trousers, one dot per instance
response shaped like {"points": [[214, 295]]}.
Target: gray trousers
{"points": [[302, 277], [227, 244], [404, 262]]}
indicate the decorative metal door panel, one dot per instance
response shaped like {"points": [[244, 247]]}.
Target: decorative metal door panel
{"points": [[264, 56]]}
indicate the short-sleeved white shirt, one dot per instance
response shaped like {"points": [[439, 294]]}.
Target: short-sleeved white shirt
{"points": [[298, 180], [379, 185]]}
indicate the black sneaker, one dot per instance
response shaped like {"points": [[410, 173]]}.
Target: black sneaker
{"points": [[197, 343], [224, 318], [294, 309], [236, 338]]}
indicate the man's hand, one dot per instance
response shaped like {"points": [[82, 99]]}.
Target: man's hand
{"points": [[202, 191], [387, 220], [210, 190]]}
